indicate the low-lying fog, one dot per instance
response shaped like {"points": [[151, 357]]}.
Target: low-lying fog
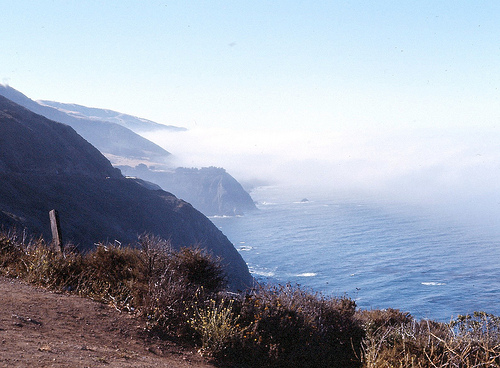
{"points": [[452, 172]]}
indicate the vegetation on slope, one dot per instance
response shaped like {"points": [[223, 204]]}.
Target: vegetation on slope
{"points": [[182, 293]]}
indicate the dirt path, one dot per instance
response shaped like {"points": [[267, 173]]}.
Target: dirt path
{"points": [[39, 328]]}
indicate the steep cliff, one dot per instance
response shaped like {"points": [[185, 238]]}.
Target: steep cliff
{"points": [[211, 190], [46, 165]]}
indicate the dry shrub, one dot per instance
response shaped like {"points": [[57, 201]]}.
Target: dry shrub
{"points": [[381, 320], [150, 278], [177, 281], [474, 341], [395, 339], [11, 252], [215, 323], [35, 262], [285, 326], [115, 275], [48, 268], [199, 269]]}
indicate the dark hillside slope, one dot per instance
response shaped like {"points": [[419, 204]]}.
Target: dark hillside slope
{"points": [[46, 165], [108, 137], [213, 192]]}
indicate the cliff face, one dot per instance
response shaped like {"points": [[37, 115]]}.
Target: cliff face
{"points": [[45, 165], [211, 190]]}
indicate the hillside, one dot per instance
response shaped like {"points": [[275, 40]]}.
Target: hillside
{"points": [[116, 135], [108, 137], [46, 165], [133, 123]]}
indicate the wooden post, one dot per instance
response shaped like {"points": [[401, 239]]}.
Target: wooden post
{"points": [[56, 230]]}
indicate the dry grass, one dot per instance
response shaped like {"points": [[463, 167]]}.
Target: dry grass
{"points": [[395, 339], [216, 324]]}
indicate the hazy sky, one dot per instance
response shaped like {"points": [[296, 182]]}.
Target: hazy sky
{"points": [[396, 98], [286, 64]]}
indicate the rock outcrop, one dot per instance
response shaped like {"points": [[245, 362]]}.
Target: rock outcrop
{"points": [[211, 190]]}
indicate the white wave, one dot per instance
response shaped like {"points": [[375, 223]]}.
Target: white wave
{"points": [[433, 283], [307, 274], [262, 272], [245, 248], [224, 216], [264, 203]]}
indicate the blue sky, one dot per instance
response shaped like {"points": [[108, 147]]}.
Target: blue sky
{"points": [[323, 65]]}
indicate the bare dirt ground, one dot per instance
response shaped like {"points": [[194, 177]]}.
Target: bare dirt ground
{"points": [[39, 328]]}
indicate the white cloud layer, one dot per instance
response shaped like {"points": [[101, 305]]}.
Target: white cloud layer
{"points": [[427, 166]]}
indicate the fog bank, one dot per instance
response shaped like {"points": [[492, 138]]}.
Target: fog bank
{"points": [[457, 170]]}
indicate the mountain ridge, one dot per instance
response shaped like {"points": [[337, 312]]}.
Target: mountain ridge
{"points": [[106, 136], [117, 136], [134, 123]]}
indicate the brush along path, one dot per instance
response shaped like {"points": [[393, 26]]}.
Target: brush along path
{"points": [[39, 328]]}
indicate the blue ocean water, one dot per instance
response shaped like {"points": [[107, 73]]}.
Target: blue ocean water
{"points": [[383, 256]]}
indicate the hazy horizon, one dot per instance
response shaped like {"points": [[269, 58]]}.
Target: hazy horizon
{"points": [[450, 172]]}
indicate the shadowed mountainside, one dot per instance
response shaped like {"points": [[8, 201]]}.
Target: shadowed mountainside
{"points": [[116, 135], [46, 165], [108, 137]]}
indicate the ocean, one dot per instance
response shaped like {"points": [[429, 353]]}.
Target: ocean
{"points": [[381, 255]]}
